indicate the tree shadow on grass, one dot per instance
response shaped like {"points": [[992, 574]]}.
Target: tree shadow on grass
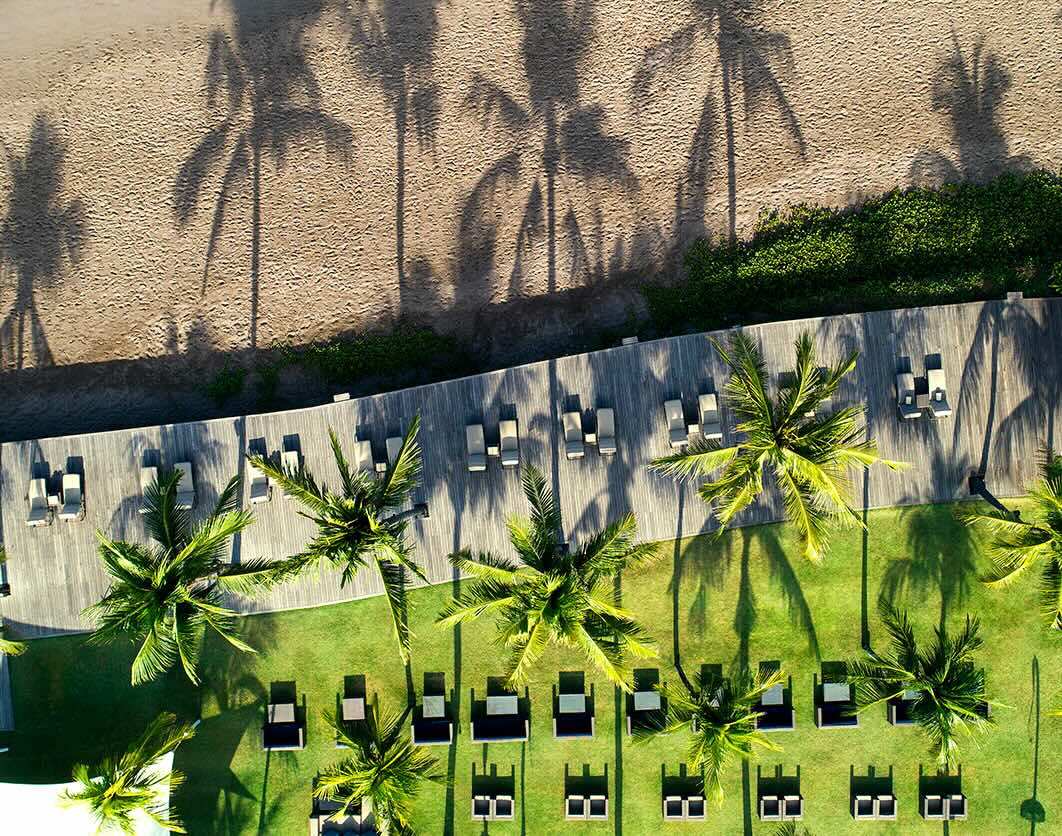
{"points": [[1032, 809], [942, 559], [215, 796]]}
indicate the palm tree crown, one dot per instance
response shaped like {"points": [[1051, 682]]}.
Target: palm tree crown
{"points": [[720, 715], [383, 767], [808, 452], [361, 525], [131, 782], [1017, 546], [7, 646], [165, 595], [950, 688], [554, 596]]}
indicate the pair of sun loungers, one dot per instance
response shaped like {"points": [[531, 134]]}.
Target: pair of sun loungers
{"points": [[710, 424], [68, 505], [507, 449], [935, 402]]}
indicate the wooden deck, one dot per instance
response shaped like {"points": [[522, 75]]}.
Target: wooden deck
{"points": [[1002, 360]]}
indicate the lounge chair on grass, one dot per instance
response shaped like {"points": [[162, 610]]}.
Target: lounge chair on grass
{"points": [[711, 426], [477, 448], [281, 730], [185, 487], [905, 396], [646, 710], [573, 717], [934, 808], [776, 708], [938, 393], [770, 808], [73, 500], [606, 432], [39, 511], [503, 721], [864, 808], [676, 424], [898, 710], [834, 706], [885, 807], [572, 423], [509, 438], [674, 808], [431, 726]]}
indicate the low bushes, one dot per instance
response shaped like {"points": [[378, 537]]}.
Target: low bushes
{"points": [[916, 247]]}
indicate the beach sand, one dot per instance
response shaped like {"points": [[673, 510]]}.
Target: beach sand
{"points": [[193, 177]]}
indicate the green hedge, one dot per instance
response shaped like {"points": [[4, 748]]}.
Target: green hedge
{"points": [[916, 247]]}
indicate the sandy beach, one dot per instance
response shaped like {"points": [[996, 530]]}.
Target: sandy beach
{"points": [[187, 176]]}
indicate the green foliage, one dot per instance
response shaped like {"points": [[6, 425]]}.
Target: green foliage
{"points": [[405, 350], [915, 247], [226, 384], [128, 783], [554, 596]]}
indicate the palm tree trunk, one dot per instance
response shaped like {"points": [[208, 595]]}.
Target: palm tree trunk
{"points": [[256, 232]]}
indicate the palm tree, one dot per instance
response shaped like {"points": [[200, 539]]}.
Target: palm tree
{"points": [[1017, 546], [384, 768], [164, 596], [950, 687], [553, 596], [808, 452], [361, 525], [132, 782], [720, 715], [7, 646]]}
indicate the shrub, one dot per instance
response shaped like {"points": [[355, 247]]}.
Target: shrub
{"points": [[915, 247], [226, 384]]}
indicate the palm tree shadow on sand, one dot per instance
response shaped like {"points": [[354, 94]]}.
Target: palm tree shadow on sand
{"points": [[260, 83], [393, 45], [549, 134], [755, 63], [969, 88], [40, 233]]}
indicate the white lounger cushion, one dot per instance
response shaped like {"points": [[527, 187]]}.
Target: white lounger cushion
{"points": [[363, 457], [186, 487], [905, 395], [39, 512], [938, 393], [510, 443], [676, 423], [606, 432], [394, 447], [572, 423], [477, 448], [711, 428], [259, 484], [71, 496]]}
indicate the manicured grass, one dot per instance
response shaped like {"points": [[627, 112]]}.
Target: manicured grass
{"points": [[747, 596]]}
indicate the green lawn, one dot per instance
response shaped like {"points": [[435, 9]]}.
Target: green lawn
{"points": [[747, 595]]}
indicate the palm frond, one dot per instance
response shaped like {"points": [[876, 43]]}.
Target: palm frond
{"points": [[403, 473], [698, 458]]}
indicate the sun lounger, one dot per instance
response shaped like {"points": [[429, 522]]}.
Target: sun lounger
{"points": [[503, 807], [885, 806], [938, 393], [836, 708], [597, 808], [676, 423], [259, 484], [956, 806], [281, 730], [73, 500], [394, 447], [863, 808], [477, 448], [934, 807], [905, 396], [674, 809], [510, 443], [363, 457], [770, 808], [185, 487], [148, 477], [711, 426], [606, 432], [573, 435], [39, 512]]}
